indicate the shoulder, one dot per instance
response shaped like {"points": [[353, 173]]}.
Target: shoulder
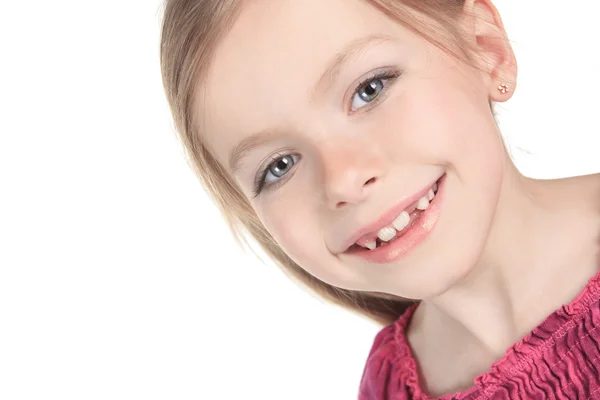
{"points": [[389, 360]]}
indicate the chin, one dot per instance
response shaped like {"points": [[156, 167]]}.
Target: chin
{"points": [[449, 255]]}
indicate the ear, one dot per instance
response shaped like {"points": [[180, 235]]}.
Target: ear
{"points": [[486, 33]]}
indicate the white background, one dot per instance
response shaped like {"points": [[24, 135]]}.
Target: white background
{"points": [[118, 280]]}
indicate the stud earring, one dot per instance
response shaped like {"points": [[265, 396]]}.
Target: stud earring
{"points": [[503, 88]]}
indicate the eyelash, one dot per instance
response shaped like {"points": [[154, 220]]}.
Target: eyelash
{"points": [[261, 176], [385, 75], [388, 76]]}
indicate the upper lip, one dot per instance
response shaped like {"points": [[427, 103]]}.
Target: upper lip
{"points": [[387, 218]]}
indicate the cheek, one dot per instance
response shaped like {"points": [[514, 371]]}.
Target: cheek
{"points": [[297, 230], [294, 227], [430, 122]]}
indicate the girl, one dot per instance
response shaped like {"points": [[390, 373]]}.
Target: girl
{"points": [[355, 140]]}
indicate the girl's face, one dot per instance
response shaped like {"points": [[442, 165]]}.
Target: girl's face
{"points": [[334, 119]]}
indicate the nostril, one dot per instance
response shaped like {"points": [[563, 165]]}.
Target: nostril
{"points": [[370, 181], [352, 193], [340, 204]]}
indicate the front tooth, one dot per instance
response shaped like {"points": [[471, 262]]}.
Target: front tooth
{"points": [[402, 221], [423, 203], [386, 234], [430, 194], [371, 245]]}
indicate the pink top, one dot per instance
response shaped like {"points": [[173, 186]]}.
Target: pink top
{"points": [[560, 359]]}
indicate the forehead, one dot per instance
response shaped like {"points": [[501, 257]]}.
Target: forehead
{"points": [[266, 66]]}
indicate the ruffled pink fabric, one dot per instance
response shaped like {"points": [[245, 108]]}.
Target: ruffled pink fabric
{"points": [[560, 359]]}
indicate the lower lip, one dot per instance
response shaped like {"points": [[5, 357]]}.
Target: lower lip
{"points": [[409, 239]]}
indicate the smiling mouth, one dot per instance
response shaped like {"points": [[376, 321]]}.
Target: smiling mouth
{"points": [[399, 226]]}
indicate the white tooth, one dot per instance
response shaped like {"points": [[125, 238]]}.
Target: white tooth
{"points": [[371, 245], [402, 221], [423, 203], [435, 187], [386, 234], [430, 194]]}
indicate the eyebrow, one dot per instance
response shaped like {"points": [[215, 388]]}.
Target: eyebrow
{"points": [[332, 71], [241, 150], [338, 62]]}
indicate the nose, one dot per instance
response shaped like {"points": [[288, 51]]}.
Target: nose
{"points": [[351, 172]]}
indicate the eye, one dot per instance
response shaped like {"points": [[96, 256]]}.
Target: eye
{"points": [[280, 167], [367, 93], [370, 91], [274, 171]]}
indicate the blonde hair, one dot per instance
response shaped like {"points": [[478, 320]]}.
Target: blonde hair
{"points": [[191, 31]]}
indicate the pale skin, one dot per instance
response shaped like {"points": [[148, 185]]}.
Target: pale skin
{"points": [[507, 250]]}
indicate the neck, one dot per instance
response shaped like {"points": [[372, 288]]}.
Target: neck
{"points": [[541, 251]]}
